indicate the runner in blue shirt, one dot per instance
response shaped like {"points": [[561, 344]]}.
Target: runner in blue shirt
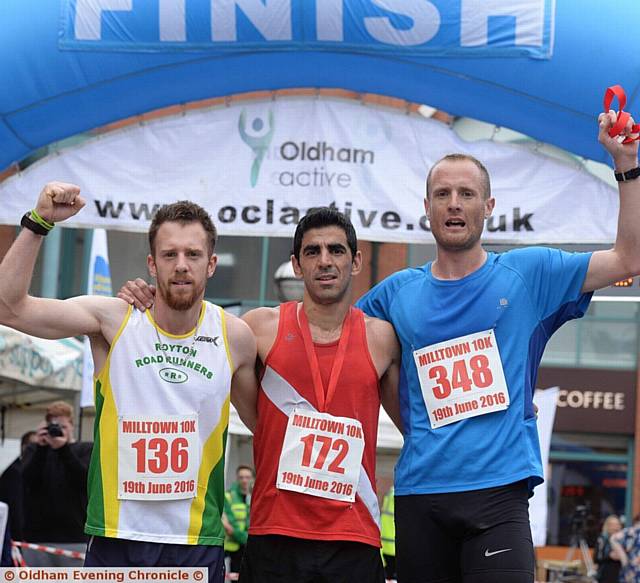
{"points": [[473, 326]]}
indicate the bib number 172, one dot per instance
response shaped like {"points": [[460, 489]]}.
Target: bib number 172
{"points": [[327, 446]]}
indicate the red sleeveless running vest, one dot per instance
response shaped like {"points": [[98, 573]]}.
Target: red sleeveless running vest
{"points": [[286, 379]]}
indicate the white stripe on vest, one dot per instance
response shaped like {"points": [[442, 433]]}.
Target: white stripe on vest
{"points": [[285, 397]]}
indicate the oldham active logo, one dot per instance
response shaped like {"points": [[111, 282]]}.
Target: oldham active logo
{"points": [[257, 135]]}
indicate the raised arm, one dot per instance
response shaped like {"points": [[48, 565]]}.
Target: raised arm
{"points": [[623, 261], [244, 385], [48, 318]]}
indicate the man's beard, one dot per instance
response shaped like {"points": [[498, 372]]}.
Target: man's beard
{"points": [[182, 302], [455, 244]]}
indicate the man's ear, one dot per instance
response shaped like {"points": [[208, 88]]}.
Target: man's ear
{"points": [[211, 267], [296, 267], [356, 265], [151, 266], [489, 205]]}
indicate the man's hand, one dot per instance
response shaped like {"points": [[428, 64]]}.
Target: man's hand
{"points": [[138, 293], [226, 525], [43, 438], [58, 201], [41, 434], [625, 156]]}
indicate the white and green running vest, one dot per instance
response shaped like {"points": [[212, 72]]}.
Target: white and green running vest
{"points": [[162, 411]]}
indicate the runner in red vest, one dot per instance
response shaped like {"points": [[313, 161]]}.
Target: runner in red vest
{"points": [[325, 368]]}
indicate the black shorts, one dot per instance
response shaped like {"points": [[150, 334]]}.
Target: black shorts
{"points": [[282, 559], [117, 552], [480, 536]]}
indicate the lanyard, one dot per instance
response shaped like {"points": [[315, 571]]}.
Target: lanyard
{"points": [[322, 401], [623, 116]]}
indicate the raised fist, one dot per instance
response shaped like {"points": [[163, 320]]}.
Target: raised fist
{"points": [[58, 201], [625, 156]]}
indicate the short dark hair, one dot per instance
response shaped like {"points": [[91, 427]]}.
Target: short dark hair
{"points": [[463, 158], [244, 467], [320, 217], [184, 212], [26, 439]]}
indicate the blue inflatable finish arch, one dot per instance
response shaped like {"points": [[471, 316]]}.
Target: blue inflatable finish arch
{"points": [[67, 66]]}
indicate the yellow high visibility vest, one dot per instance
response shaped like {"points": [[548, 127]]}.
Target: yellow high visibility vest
{"points": [[240, 512], [388, 525]]}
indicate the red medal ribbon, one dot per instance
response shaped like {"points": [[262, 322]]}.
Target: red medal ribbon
{"points": [[623, 116], [322, 400]]}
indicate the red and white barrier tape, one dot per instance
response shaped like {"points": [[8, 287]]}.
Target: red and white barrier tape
{"points": [[50, 550], [16, 557]]}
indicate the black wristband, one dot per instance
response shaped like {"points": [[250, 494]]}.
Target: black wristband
{"points": [[628, 175], [28, 223]]}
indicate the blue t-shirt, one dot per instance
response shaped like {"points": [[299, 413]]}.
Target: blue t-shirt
{"points": [[524, 296]]}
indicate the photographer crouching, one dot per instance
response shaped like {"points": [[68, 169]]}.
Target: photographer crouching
{"points": [[54, 474]]}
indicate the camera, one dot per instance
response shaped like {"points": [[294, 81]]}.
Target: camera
{"points": [[581, 519], [581, 511], [54, 430]]}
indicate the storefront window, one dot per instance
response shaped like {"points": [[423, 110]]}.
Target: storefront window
{"points": [[581, 495], [607, 337], [561, 349], [608, 344], [588, 480], [237, 276]]}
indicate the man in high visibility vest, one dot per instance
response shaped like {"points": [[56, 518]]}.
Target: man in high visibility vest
{"points": [[236, 510], [388, 535]]}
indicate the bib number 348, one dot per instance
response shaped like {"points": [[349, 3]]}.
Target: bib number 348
{"points": [[321, 455], [462, 378]]}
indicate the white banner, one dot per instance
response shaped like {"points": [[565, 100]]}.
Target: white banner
{"points": [[258, 167], [38, 362], [538, 508], [99, 283]]}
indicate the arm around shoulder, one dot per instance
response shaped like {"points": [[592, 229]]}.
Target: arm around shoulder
{"points": [[263, 323], [378, 302]]}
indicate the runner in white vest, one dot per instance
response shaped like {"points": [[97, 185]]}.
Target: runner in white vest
{"points": [[162, 388]]}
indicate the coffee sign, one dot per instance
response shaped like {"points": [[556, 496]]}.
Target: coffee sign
{"points": [[592, 400]]}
